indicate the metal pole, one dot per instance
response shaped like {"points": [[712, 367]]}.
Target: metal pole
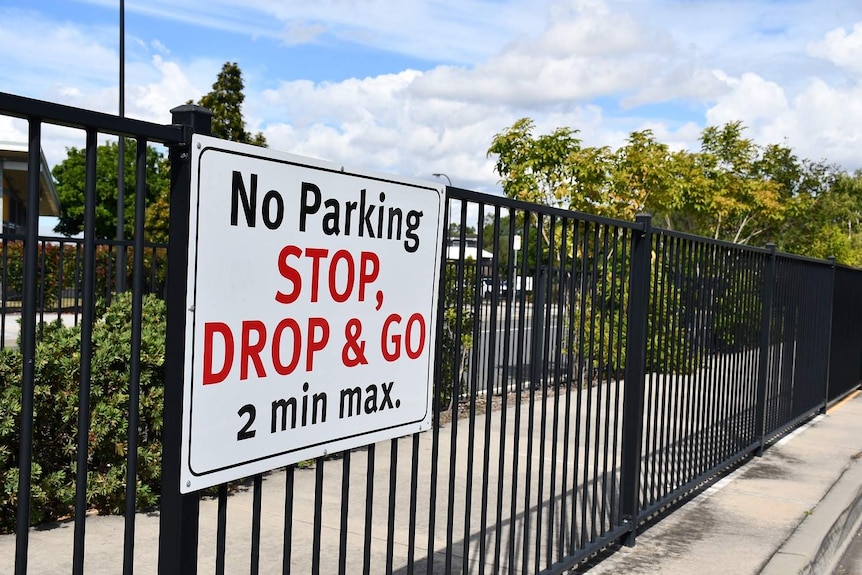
{"points": [[178, 521], [636, 347], [765, 343], [121, 162], [441, 175], [831, 317], [28, 347]]}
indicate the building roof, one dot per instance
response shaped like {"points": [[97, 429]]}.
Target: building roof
{"points": [[13, 167], [471, 250]]}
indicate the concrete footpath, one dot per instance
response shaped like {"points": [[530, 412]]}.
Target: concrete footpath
{"points": [[793, 511]]}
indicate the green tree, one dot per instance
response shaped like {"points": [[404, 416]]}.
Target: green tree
{"points": [[826, 222], [642, 178], [70, 175], [552, 169], [225, 101], [743, 202]]}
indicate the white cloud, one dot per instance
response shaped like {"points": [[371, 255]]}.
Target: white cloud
{"points": [[378, 124], [152, 101], [586, 51], [749, 98], [158, 47], [822, 122], [841, 48]]}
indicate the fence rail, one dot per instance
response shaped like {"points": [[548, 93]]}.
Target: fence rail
{"points": [[590, 372]]}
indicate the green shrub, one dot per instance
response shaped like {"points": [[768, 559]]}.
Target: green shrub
{"points": [[57, 375]]}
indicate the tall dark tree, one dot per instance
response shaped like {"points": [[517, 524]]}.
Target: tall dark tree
{"points": [[225, 101]]}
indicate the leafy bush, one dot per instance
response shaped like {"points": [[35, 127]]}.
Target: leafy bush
{"points": [[57, 375]]}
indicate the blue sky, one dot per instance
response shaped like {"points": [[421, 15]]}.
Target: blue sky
{"points": [[417, 87]]}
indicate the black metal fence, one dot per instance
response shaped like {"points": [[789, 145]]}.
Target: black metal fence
{"points": [[846, 337], [36, 294], [590, 373], [60, 277]]}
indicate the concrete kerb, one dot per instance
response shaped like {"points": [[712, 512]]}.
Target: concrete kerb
{"points": [[820, 540]]}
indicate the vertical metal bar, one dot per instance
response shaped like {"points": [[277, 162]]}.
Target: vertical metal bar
{"points": [[540, 359], [61, 251], [600, 372], [698, 353], [634, 382], [754, 307], [345, 506], [720, 318], [765, 344], [491, 380], [571, 302], [86, 353], [473, 388], [664, 421], [414, 486], [439, 386], [684, 361], [588, 416], [256, 501], [559, 341], [121, 154], [318, 515], [221, 529], [456, 391], [687, 361], [578, 528], [77, 281], [504, 390], [715, 307], [135, 358], [829, 310], [28, 348], [43, 266], [624, 241], [519, 373], [535, 354], [287, 542], [369, 510], [390, 518], [610, 383], [655, 303], [178, 520], [672, 382]]}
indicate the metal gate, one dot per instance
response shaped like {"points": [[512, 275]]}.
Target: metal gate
{"points": [[590, 372]]}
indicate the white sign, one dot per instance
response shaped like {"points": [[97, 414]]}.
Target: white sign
{"points": [[312, 300]]}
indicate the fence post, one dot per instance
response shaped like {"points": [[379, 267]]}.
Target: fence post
{"points": [[28, 348], [831, 310], [765, 343], [636, 334], [178, 522]]}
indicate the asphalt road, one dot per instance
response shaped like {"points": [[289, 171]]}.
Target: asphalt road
{"points": [[851, 562]]}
